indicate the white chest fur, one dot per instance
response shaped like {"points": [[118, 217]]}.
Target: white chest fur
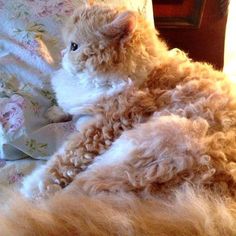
{"points": [[74, 93]]}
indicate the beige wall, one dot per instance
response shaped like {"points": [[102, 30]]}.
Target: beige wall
{"points": [[230, 43]]}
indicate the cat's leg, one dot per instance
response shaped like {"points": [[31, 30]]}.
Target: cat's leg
{"points": [[155, 152], [108, 171], [93, 138], [40, 184]]}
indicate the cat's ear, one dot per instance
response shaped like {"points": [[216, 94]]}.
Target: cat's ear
{"points": [[121, 27]]}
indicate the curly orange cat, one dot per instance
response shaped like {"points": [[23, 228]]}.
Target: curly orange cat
{"points": [[153, 127]]}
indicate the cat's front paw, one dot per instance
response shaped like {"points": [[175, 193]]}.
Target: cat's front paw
{"points": [[39, 185]]}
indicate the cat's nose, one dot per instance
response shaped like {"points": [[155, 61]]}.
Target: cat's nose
{"points": [[63, 52]]}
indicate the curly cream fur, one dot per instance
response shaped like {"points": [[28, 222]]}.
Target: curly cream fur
{"points": [[172, 126]]}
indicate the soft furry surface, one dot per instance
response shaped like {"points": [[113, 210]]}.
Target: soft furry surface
{"points": [[151, 124], [188, 213]]}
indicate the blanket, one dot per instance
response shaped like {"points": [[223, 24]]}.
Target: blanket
{"points": [[30, 46]]}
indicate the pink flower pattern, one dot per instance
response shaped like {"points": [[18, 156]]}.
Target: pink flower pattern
{"points": [[65, 7], [49, 8], [1, 5], [11, 113], [15, 178]]}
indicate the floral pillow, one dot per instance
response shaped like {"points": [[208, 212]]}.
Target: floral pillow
{"points": [[30, 46]]}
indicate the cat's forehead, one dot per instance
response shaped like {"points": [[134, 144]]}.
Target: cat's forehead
{"points": [[89, 24], [82, 31], [86, 22]]}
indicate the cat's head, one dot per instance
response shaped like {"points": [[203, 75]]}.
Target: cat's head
{"points": [[103, 39]]}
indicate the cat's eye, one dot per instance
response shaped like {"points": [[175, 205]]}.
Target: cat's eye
{"points": [[73, 46]]}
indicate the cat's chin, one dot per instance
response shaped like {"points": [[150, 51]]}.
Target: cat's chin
{"points": [[67, 66]]}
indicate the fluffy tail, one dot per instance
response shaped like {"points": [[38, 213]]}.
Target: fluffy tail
{"points": [[76, 214]]}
